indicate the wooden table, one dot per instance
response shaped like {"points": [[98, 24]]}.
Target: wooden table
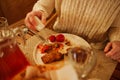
{"points": [[105, 68]]}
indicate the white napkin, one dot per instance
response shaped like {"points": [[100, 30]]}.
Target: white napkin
{"points": [[33, 71], [65, 73], [40, 25]]}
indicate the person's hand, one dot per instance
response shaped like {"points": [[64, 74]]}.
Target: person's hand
{"points": [[30, 21], [112, 50]]}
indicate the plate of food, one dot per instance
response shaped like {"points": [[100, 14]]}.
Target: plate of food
{"points": [[50, 55]]}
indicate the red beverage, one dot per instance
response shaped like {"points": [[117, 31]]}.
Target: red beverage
{"points": [[12, 59]]}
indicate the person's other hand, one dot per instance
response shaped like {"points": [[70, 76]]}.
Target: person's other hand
{"points": [[112, 50], [30, 21]]}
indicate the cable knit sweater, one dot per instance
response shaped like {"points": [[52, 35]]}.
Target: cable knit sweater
{"points": [[94, 20]]}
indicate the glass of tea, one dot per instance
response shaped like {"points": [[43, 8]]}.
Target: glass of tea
{"points": [[12, 59]]}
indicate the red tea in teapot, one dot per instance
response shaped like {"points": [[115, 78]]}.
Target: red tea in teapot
{"points": [[12, 59]]}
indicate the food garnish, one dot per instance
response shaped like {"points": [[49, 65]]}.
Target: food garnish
{"points": [[44, 48], [52, 38], [60, 38], [57, 38]]}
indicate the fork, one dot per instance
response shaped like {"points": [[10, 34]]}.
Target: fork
{"points": [[39, 27], [37, 35]]}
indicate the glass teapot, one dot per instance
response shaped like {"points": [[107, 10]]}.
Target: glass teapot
{"points": [[12, 59]]}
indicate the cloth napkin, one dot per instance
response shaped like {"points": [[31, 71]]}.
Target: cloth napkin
{"points": [[65, 73]]}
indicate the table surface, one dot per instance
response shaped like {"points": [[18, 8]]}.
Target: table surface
{"points": [[105, 68]]}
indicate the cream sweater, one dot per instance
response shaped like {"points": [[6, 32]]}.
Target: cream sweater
{"points": [[94, 20]]}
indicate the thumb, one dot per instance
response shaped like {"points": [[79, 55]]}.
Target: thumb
{"points": [[108, 47], [43, 19]]}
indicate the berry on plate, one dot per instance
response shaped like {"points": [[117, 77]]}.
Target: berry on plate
{"points": [[60, 38], [52, 38]]}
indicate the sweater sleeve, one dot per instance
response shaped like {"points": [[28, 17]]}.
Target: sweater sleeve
{"points": [[45, 5], [114, 31]]}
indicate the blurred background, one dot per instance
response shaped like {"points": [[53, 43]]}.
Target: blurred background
{"points": [[15, 10]]}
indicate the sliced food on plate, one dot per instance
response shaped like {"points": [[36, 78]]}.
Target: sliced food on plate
{"points": [[52, 53], [55, 49]]}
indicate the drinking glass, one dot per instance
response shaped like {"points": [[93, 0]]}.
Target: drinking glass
{"points": [[3, 22], [12, 59], [83, 60]]}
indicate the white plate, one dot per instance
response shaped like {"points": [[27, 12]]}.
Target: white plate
{"points": [[74, 40]]}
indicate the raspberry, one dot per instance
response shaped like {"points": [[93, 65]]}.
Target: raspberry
{"points": [[60, 38], [52, 38]]}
